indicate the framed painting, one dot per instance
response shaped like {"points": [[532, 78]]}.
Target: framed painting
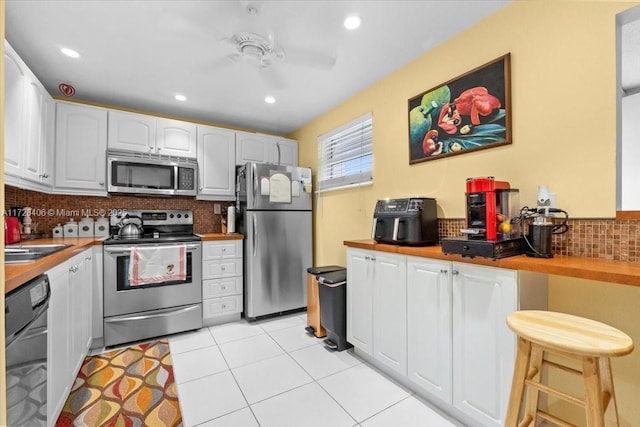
{"points": [[468, 113]]}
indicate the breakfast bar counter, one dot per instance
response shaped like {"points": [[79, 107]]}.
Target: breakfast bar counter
{"points": [[625, 273]]}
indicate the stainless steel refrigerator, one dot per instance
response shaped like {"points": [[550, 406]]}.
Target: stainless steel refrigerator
{"points": [[274, 214]]}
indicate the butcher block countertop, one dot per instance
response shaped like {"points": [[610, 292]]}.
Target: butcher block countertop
{"points": [[220, 236], [17, 274], [625, 273]]}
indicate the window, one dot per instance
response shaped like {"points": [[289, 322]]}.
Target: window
{"points": [[345, 155]]}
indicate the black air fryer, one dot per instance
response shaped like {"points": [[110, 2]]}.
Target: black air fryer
{"points": [[410, 222]]}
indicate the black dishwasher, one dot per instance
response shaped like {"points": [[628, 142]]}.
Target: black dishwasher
{"points": [[26, 352]]}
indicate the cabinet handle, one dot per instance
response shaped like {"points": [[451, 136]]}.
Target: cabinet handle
{"points": [[223, 268], [223, 287], [88, 258], [455, 272], [224, 306], [73, 268], [367, 258], [444, 271], [224, 249], [101, 183], [373, 258]]}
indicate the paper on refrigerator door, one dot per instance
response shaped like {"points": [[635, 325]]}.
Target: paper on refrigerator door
{"points": [[280, 188]]}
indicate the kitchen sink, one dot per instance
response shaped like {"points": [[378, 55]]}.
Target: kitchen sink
{"points": [[27, 253]]}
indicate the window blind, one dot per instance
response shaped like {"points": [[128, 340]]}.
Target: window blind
{"points": [[345, 155]]}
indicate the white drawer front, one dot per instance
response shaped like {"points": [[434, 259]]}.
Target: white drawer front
{"points": [[221, 287], [224, 305], [221, 268], [222, 249]]}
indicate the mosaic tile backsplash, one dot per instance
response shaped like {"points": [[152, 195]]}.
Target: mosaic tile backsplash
{"points": [[53, 209], [593, 238]]}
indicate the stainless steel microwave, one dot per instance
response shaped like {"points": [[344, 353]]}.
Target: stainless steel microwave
{"points": [[151, 174]]}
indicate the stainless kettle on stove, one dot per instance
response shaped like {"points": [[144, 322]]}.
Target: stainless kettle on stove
{"points": [[130, 229]]}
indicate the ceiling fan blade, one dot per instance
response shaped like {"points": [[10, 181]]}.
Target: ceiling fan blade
{"points": [[272, 78], [307, 58]]}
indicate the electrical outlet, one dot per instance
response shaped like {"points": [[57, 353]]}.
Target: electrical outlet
{"points": [[217, 209]]}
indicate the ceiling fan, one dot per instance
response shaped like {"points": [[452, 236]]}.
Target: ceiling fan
{"points": [[261, 51]]}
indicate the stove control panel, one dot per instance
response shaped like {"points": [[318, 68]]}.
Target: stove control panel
{"points": [[155, 217]]}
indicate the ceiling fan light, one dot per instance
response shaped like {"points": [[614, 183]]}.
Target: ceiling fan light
{"points": [[352, 22]]}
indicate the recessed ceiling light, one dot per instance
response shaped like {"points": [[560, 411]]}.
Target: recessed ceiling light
{"points": [[352, 22], [270, 100], [181, 98], [70, 52]]}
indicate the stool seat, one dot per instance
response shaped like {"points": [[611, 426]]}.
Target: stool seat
{"points": [[570, 334], [589, 343]]}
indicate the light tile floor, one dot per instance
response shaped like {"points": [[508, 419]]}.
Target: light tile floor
{"points": [[272, 373]]}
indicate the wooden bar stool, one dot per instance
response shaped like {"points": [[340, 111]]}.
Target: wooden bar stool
{"points": [[591, 343]]}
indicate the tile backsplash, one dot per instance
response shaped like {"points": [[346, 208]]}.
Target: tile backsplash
{"points": [[53, 209], [605, 238]]}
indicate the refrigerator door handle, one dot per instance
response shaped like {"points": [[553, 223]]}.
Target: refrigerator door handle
{"points": [[278, 147], [255, 247], [254, 173]]}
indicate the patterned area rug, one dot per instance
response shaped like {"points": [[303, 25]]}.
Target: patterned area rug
{"points": [[132, 386]]}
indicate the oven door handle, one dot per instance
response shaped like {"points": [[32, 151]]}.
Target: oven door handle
{"points": [[117, 251], [156, 314]]}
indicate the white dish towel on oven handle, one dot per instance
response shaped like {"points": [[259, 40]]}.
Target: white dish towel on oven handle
{"points": [[157, 264]]}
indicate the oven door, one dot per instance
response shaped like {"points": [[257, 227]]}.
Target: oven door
{"points": [[122, 298]]}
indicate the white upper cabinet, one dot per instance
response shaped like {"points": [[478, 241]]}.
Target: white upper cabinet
{"points": [[81, 144], [282, 151], [131, 132], [176, 138], [255, 147], [15, 88], [216, 163], [141, 133], [29, 119]]}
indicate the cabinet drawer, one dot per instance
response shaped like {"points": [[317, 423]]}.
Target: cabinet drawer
{"points": [[222, 249], [221, 287], [224, 305], [212, 269]]}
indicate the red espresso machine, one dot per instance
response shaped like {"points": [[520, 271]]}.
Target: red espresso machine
{"points": [[490, 232]]}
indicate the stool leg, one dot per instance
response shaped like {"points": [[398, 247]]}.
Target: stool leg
{"points": [[535, 370], [593, 394], [517, 385], [606, 383]]}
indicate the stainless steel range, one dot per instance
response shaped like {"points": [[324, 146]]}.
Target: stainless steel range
{"points": [[152, 278]]}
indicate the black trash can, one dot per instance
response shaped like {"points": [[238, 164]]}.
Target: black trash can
{"points": [[314, 325], [333, 308]]}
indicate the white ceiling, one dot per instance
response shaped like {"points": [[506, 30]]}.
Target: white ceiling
{"points": [[139, 54]]}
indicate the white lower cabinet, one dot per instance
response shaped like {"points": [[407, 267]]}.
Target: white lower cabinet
{"points": [[69, 328], [439, 327], [429, 343], [221, 281]]}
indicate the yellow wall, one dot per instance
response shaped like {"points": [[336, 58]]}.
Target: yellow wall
{"points": [[564, 135]]}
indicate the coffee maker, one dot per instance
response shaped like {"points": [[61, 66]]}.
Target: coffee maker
{"points": [[490, 232], [411, 222]]}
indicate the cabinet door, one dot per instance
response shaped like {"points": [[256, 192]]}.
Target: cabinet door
{"points": [[15, 86], [131, 132], [58, 342], [250, 147], [77, 307], [96, 298], [359, 299], [81, 142], [176, 138], [216, 162], [484, 347], [429, 325], [390, 310], [282, 151], [38, 103]]}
